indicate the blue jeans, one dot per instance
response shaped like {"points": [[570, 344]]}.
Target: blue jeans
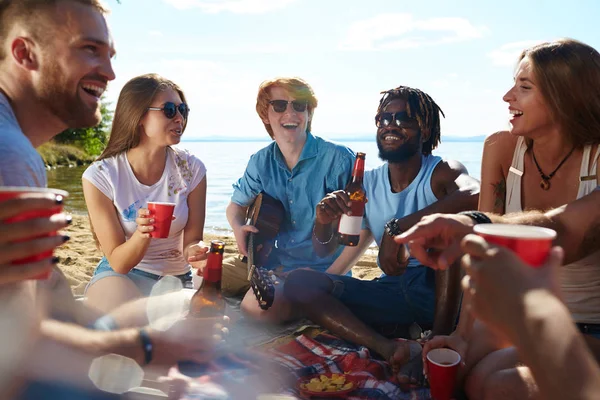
{"points": [[144, 281], [388, 300]]}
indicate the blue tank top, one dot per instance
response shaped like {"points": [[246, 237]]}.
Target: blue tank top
{"points": [[384, 205]]}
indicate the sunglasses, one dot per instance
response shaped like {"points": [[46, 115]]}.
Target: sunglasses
{"points": [[400, 119], [170, 110], [280, 106]]}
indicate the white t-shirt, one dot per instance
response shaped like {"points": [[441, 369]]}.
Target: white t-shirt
{"points": [[115, 178], [20, 163]]}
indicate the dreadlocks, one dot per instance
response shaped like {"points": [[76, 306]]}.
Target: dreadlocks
{"points": [[420, 106]]}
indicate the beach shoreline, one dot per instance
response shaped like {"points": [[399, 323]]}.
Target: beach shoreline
{"points": [[79, 256]]}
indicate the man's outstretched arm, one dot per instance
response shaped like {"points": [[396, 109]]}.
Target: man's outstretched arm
{"points": [[434, 241]]}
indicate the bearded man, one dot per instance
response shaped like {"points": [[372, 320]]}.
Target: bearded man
{"points": [[411, 183]]}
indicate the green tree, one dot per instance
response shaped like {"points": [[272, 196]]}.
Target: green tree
{"points": [[91, 140]]}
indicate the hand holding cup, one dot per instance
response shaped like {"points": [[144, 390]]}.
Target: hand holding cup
{"points": [[498, 282], [162, 214], [29, 222], [144, 223]]}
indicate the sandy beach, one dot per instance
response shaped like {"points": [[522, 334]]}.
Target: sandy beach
{"points": [[79, 256]]}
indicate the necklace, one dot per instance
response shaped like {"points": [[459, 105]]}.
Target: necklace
{"points": [[545, 182]]}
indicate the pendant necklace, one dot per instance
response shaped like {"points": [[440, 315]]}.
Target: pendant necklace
{"points": [[545, 182]]}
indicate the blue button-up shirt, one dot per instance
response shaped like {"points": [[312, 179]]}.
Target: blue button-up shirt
{"points": [[323, 167]]}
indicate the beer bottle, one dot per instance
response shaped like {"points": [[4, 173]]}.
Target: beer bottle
{"points": [[350, 225], [207, 302]]}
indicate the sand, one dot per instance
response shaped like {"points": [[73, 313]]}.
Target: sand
{"points": [[79, 256]]}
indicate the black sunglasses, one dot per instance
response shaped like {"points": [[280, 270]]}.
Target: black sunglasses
{"points": [[280, 106], [400, 119], [170, 110]]}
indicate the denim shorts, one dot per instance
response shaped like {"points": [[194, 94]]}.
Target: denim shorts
{"points": [[143, 280], [402, 300]]}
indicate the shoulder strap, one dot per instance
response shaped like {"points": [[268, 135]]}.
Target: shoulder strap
{"points": [[594, 167], [587, 176]]}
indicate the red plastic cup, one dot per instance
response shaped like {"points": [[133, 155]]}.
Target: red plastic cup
{"points": [[442, 366], [531, 243], [7, 193], [163, 215]]}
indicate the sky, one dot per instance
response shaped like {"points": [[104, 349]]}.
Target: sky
{"points": [[462, 53]]}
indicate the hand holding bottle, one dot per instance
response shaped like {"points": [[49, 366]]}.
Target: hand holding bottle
{"points": [[332, 206], [197, 254]]}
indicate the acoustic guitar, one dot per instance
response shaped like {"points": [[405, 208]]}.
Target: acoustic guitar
{"points": [[266, 214]]}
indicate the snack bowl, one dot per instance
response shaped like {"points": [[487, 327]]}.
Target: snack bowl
{"points": [[327, 385]]}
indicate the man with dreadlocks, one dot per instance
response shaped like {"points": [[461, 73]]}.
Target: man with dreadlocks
{"points": [[411, 184]]}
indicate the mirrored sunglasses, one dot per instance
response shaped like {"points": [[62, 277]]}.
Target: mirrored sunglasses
{"points": [[400, 119], [170, 110]]}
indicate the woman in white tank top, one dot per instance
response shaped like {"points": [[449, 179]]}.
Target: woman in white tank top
{"points": [[550, 155], [548, 158], [140, 165]]}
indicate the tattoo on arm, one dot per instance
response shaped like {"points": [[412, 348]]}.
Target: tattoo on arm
{"points": [[499, 196]]}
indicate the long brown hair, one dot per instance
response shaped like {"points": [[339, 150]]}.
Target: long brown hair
{"points": [[134, 100], [297, 87], [568, 74]]}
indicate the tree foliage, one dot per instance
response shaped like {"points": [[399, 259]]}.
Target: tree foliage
{"points": [[91, 140]]}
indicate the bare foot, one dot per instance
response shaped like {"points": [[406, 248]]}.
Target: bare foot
{"points": [[406, 363]]}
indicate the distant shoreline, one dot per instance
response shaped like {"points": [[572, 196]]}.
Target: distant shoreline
{"points": [[450, 139]]}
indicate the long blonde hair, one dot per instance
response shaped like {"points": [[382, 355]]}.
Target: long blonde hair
{"points": [[134, 100]]}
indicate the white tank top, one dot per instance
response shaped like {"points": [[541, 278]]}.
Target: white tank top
{"points": [[580, 281], [587, 176]]}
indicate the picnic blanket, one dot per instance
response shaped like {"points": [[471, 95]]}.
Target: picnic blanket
{"points": [[245, 374], [325, 353]]}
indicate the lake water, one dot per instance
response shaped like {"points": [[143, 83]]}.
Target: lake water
{"points": [[226, 161]]}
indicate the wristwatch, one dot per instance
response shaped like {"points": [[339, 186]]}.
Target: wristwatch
{"points": [[477, 216], [392, 228]]}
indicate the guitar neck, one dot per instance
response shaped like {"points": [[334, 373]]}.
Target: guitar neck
{"points": [[251, 264]]}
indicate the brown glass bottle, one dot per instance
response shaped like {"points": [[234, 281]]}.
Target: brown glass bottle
{"points": [[350, 225], [208, 300]]}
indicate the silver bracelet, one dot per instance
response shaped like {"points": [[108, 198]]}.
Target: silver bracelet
{"points": [[318, 240]]}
